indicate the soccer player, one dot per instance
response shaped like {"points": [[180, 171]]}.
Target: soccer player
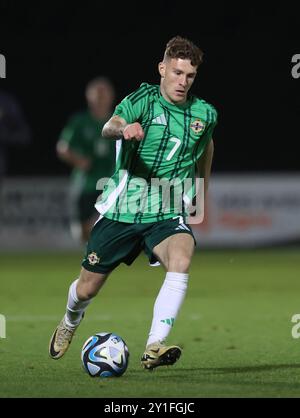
{"points": [[166, 133], [81, 146], [14, 129]]}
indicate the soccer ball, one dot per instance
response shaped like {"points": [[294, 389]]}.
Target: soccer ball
{"points": [[105, 355]]}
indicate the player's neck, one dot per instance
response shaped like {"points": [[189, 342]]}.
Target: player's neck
{"points": [[169, 100]]}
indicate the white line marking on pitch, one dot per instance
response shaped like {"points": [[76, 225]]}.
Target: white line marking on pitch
{"points": [[50, 318]]}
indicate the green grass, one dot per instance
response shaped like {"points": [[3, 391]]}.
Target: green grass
{"points": [[235, 327]]}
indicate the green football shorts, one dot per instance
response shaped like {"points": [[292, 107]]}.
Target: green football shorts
{"points": [[113, 242]]}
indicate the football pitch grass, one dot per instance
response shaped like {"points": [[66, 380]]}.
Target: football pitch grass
{"points": [[235, 327]]}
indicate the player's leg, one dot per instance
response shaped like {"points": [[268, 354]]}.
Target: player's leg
{"points": [[81, 292], [110, 243], [80, 296], [175, 253]]}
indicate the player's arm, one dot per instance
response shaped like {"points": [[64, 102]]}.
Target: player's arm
{"points": [[204, 164], [117, 127], [66, 154]]}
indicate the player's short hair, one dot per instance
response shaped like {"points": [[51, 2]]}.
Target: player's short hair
{"points": [[99, 80], [183, 48]]}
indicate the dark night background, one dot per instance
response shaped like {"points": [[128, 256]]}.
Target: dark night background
{"points": [[52, 49]]}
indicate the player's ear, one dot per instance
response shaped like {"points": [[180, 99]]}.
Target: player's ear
{"points": [[162, 69]]}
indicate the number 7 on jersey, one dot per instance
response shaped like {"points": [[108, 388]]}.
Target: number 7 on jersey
{"points": [[174, 149]]}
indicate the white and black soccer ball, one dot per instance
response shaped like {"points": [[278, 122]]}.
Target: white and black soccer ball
{"points": [[105, 355]]}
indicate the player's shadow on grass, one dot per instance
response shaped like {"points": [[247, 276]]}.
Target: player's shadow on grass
{"points": [[175, 372], [244, 369]]}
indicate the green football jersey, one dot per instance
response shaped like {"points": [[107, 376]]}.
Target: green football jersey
{"points": [[175, 138], [83, 135]]}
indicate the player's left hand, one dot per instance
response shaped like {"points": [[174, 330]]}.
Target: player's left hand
{"points": [[133, 131]]}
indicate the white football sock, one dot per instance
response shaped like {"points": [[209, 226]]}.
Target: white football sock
{"points": [[167, 305], [75, 307]]}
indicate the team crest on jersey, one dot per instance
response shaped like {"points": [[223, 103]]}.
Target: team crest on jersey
{"points": [[93, 259], [197, 126]]}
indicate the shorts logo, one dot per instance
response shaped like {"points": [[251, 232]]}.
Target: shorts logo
{"points": [[93, 259], [197, 126]]}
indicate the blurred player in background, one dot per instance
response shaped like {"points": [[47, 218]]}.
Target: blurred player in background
{"points": [[91, 156], [167, 134], [14, 130]]}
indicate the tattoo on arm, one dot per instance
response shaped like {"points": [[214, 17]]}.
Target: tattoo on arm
{"points": [[113, 129]]}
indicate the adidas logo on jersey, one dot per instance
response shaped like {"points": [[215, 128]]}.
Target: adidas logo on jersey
{"points": [[160, 120]]}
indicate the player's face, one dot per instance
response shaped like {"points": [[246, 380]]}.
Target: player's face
{"points": [[100, 96], [177, 77]]}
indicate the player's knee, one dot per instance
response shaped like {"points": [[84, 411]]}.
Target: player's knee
{"points": [[87, 292], [179, 264], [89, 284]]}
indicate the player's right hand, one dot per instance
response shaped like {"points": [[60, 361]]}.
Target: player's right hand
{"points": [[133, 131]]}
